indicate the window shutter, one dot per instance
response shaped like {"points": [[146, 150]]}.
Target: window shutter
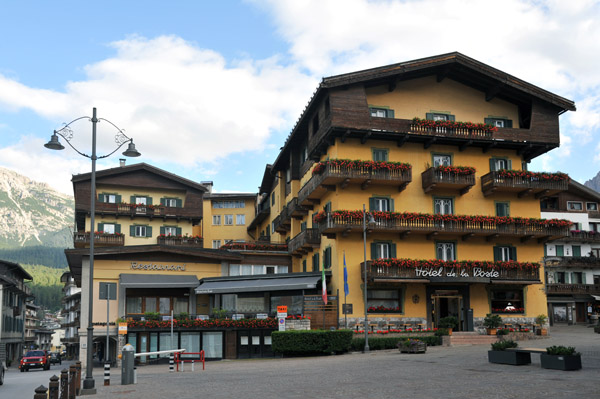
{"points": [[429, 116], [567, 276], [101, 198], [497, 254], [513, 253], [451, 118], [391, 205], [371, 204], [390, 113], [507, 123], [576, 250], [148, 231], [583, 278], [132, 199], [178, 231], [304, 265], [509, 164], [163, 201], [118, 228], [100, 226], [492, 165], [545, 250], [179, 203], [118, 199], [392, 250], [148, 200], [316, 267], [374, 254], [132, 230], [489, 121], [327, 207], [162, 230]]}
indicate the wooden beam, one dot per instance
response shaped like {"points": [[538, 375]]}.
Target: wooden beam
{"points": [[489, 147], [365, 137], [392, 86], [542, 240], [404, 234], [541, 194], [464, 145], [329, 187], [526, 238], [491, 237], [345, 135], [429, 142], [365, 184], [524, 193], [492, 92], [465, 190], [346, 232], [467, 236], [524, 149], [402, 140], [402, 186], [441, 75], [431, 235], [345, 183]]}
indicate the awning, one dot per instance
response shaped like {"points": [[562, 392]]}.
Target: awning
{"points": [[522, 282], [158, 281], [255, 285]]}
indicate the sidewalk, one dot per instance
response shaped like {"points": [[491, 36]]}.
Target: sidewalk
{"points": [[442, 372]]}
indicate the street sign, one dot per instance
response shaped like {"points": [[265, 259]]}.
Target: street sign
{"points": [[281, 324], [282, 311], [122, 328]]}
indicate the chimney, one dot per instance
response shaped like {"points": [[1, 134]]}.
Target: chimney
{"points": [[121, 162], [208, 185]]}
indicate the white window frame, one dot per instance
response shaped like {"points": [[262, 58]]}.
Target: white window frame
{"points": [[499, 122], [383, 250], [439, 160], [440, 117], [240, 220], [170, 231], [443, 206], [216, 244], [571, 205], [501, 163], [110, 229], [140, 231], [447, 250], [505, 254], [171, 202], [110, 198], [228, 220], [382, 204], [379, 112], [216, 220]]}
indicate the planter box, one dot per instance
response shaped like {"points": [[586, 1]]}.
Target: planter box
{"points": [[509, 357], [420, 347], [557, 362]]}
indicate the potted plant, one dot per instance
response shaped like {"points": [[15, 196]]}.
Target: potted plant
{"points": [[500, 355], [491, 322], [540, 320], [412, 346], [561, 358], [449, 322]]}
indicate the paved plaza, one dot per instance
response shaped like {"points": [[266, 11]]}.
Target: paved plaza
{"points": [[442, 372]]}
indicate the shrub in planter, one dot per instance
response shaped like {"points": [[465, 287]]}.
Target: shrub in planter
{"points": [[561, 358], [380, 343], [311, 342], [502, 331], [541, 320], [449, 322], [441, 332], [500, 355], [491, 322], [412, 346]]}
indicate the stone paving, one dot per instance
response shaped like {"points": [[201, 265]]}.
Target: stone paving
{"points": [[442, 372]]}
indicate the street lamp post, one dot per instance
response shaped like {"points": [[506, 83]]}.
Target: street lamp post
{"points": [[54, 144], [371, 221]]}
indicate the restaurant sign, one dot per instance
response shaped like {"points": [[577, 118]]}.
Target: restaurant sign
{"points": [[157, 266]]}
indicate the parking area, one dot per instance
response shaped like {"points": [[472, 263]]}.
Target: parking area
{"points": [[442, 372]]}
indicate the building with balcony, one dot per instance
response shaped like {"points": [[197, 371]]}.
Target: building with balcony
{"points": [[13, 295], [466, 240], [572, 263], [31, 324], [71, 315]]}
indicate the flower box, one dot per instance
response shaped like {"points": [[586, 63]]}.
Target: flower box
{"points": [[509, 357], [561, 362], [413, 346]]}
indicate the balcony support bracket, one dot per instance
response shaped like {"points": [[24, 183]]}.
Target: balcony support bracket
{"points": [[431, 235], [526, 238], [524, 193], [365, 184], [491, 237]]}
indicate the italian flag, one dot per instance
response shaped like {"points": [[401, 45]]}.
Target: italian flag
{"points": [[324, 283]]}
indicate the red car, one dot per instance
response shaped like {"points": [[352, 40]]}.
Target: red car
{"points": [[35, 359]]}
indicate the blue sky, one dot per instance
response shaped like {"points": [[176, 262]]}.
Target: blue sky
{"points": [[210, 90]]}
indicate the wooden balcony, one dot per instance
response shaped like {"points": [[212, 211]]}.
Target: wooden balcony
{"points": [[151, 211], [82, 240], [493, 182], [583, 236], [256, 246], [333, 175], [263, 210], [331, 225], [578, 262], [304, 242], [283, 222], [445, 274], [296, 210], [436, 180], [577, 289], [196, 242]]}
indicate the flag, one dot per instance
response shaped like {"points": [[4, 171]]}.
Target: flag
{"points": [[346, 289], [324, 283]]}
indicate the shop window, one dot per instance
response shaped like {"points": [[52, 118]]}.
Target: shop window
{"points": [[180, 305], [383, 301], [507, 301], [134, 305]]}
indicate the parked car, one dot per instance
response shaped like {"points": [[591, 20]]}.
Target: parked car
{"points": [[55, 358], [35, 359], [2, 369]]}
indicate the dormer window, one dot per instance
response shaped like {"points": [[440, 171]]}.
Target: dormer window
{"points": [[381, 112]]}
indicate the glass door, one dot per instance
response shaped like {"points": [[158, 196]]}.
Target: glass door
{"points": [[445, 306]]}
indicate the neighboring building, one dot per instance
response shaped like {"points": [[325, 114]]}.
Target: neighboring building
{"points": [[226, 218], [31, 324], [13, 295], [43, 338], [428, 147], [71, 315], [573, 262]]}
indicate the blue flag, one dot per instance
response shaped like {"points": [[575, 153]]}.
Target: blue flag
{"points": [[346, 290]]}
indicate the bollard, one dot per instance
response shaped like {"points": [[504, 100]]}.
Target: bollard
{"points": [[192, 365], [135, 375], [78, 379], [127, 365], [72, 381], [171, 363], [40, 392], [64, 384], [53, 388], [106, 374]]}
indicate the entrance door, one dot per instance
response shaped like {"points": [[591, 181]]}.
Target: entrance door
{"points": [[143, 346], [446, 305], [580, 312]]}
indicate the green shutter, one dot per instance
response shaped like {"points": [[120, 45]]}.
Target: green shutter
{"points": [[392, 204], [132, 199], [560, 250], [118, 228], [132, 230], [390, 113], [513, 253], [497, 254], [178, 231], [507, 123], [162, 230], [303, 226], [373, 250], [148, 200], [509, 164], [545, 250], [489, 121], [118, 199], [576, 250], [393, 250], [429, 116], [316, 267], [163, 201], [583, 278], [100, 227], [567, 277], [371, 204], [179, 203], [492, 165], [101, 198], [451, 118], [304, 265], [148, 231]]}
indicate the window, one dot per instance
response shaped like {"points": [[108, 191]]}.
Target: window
{"points": [[507, 301], [240, 220], [502, 208], [560, 277], [441, 160], [171, 202], [380, 154], [327, 258], [574, 206], [505, 253], [381, 112], [140, 231], [549, 203], [445, 251], [216, 244], [249, 270], [591, 206], [439, 116], [109, 198], [273, 199], [443, 206], [315, 262], [304, 265], [594, 226], [381, 204], [170, 230], [383, 250], [576, 250], [216, 220], [109, 228], [134, 305], [499, 164], [498, 122], [383, 301], [229, 204], [288, 175], [577, 278], [560, 250]]}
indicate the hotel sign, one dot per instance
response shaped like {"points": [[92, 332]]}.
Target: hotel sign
{"points": [[157, 267], [451, 272]]}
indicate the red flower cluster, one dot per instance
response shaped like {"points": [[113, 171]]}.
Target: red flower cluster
{"points": [[456, 170], [532, 175], [97, 233], [454, 125], [382, 309], [362, 165], [179, 236], [297, 317], [454, 264], [515, 310], [211, 323]]}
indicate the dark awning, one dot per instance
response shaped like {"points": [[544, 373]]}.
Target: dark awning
{"points": [[254, 285], [158, 281]]}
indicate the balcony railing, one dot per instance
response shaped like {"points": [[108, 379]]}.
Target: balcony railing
{"points": [[180, 241], [256, 246], [434, 179], [496, 182], [332, 223], [283, 222], [134, 210], [296, 210], [331, 175], [446, 274], [591, 289], [585, 262], [81, 240], [584, 236], [304, 242]]}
